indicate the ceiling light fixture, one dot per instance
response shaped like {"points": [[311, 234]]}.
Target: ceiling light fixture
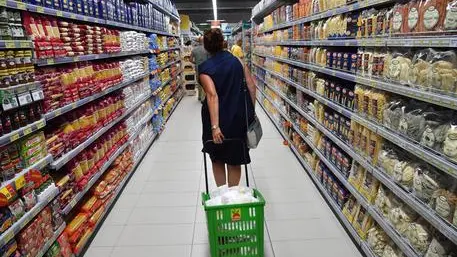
{"points": [[215, 9]]}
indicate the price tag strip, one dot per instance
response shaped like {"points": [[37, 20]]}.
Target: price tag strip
{"points": [[21, 132]]}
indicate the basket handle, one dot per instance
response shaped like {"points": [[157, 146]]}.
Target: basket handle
{"points": [[206, 165]]}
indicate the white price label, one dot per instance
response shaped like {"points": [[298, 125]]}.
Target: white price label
{"points": [[25, 98], [37, 95]]}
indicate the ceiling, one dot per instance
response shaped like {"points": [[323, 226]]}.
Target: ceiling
{"points": [[232, 11]]}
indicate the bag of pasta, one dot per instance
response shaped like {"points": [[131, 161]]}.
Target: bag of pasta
{"points": [[442, 72]]}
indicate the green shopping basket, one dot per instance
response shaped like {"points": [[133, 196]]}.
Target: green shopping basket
{"points": [[235, 230]]}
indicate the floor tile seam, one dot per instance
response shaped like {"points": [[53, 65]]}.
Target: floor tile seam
{"points": [[265, 222], [306, 239], [149, 245], [134, 224], [295, 219], [197, 206]]}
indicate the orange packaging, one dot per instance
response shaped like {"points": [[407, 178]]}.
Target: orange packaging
{"points": [[295, 11], [412, 21], [399, 18], [432, 14]]}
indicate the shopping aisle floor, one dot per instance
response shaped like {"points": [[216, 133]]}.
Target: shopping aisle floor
{"points": [[160, 213]]}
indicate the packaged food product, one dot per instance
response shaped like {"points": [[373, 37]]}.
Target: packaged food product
{"points": [[444, 202], [437, 123], [399, 18], [362, 222], [401, 217], [450, 142], [392, 114], [369, 187], [398, 67], [384, 201], [439, 247], [404, 173], [377, 239], [450, 21], [432, 15], [426, 182], [350, 208], [356, 176], [419, 68], [419, 235], [392, 251], [442, 73], [412, 23], [412, 120]]}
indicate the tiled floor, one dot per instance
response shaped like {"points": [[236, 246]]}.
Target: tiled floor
{"points": [[160, 211]]}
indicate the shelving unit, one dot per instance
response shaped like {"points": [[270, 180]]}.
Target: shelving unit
{"points": [[153, 119], [279, 67]]}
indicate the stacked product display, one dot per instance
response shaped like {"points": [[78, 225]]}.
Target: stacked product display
{"points": [[85, 87], [366, 93]]}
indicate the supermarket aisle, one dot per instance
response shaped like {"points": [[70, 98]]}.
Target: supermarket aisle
{"points": [[160, 212]]}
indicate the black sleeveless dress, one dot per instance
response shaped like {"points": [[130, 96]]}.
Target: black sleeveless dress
{"points": [[227, 73]]}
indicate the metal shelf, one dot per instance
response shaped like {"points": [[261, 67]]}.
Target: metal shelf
{"points": [[17, 89], [11, 232], [74, 16], [445, 228], [52, 114], [163, 10], [258, 17], [77, 198], [16, 44], [430, 97], [393, 234], [22, 132], [336, 209], [89, 57], [438, 161], [330, 13], [115, 194], [37, 166], [59, 163], [156, 51], [443, 41], [168, 64]]}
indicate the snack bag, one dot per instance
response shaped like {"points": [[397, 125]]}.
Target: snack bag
{"points": [[369, 187], [362, 222], [432, 14], [442, 73], [450, 21], [377, 239], [417, 75]]}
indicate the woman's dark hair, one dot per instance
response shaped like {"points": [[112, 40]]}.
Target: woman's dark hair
{"points": [[213, 40]]}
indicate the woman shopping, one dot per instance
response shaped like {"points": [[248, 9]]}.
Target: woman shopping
{"points": [[230, 99]]}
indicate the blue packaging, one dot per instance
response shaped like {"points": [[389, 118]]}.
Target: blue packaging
{"points": [[79, 6], [86, 10], [101, 9], [48, 3], [36, 2], [56, 4]]}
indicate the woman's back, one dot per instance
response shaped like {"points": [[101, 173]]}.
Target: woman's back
{"points": [[226, 71]]}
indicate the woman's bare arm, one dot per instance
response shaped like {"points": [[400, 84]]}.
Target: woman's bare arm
{"points": [[213, 105]]}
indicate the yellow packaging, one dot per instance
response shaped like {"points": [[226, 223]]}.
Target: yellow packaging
{"points": [[362, 222], [350, 208], [369, 187], [358, 98], [364, 138], [374, 146], [356, 176]]}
